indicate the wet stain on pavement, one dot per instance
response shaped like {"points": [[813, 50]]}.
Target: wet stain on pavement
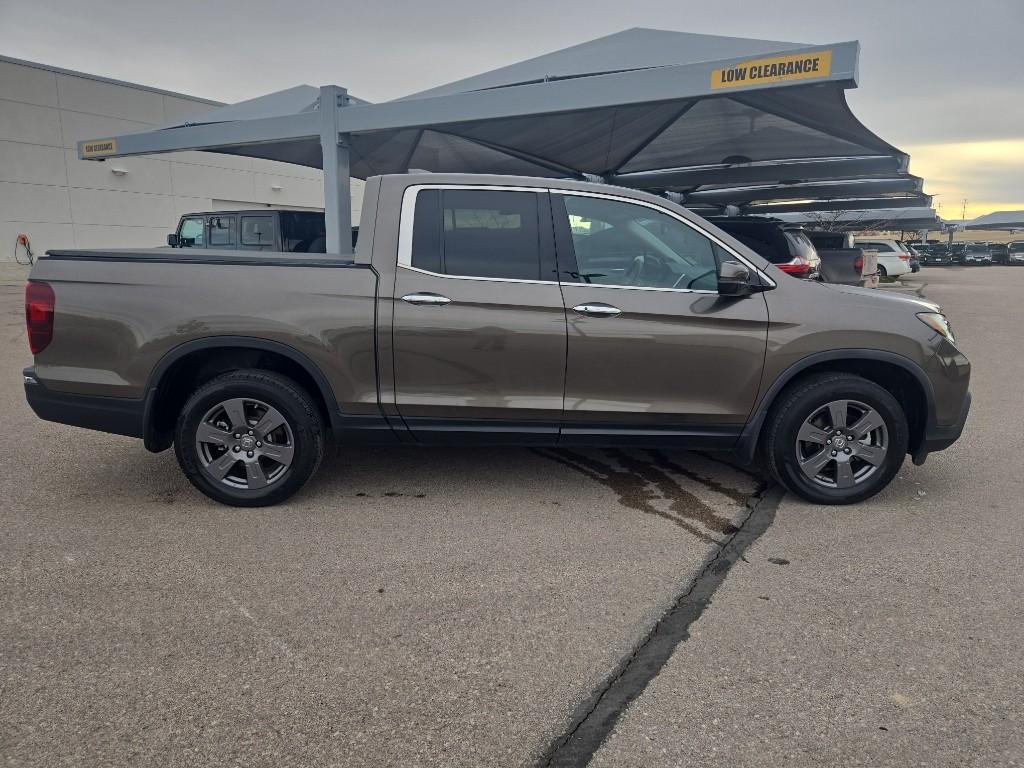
{"points": [[735, 494], [642, 480]]}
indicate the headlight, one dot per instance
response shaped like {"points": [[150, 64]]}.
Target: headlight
{"points": [[938, 323]]}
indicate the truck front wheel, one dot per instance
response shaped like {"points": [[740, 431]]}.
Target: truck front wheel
{"points": [[249, 438], [836, 438]]}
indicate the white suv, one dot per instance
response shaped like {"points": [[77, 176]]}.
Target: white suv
{"points": [[893, 256]]}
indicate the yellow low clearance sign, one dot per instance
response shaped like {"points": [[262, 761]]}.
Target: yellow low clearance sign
{"points": [[776, 69], [99, 147]]}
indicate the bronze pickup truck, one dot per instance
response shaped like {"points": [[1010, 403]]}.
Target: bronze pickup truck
{"points": [[498, 310]]}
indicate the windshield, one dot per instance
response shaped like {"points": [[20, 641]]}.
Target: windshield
{"points": [[975, 248], [1017, 247]]}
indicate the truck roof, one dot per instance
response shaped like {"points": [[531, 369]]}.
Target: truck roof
{"points": [[251, 211]]}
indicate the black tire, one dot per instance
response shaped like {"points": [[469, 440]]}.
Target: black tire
{"points": [[300, 438], [882, 272], [782, 449]]}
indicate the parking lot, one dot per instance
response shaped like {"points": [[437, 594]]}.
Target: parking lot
{"points": [[494, 607]]}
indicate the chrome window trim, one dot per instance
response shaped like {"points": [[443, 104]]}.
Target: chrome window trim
{"points": [[638, 288], [405, 224], [479, 279]]}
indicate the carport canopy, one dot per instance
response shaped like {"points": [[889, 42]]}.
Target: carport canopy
{"points": [[998, 221], [713, 120], [907, 219]]}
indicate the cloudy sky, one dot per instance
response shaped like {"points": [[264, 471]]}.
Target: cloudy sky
{"points": [[940, 79]]}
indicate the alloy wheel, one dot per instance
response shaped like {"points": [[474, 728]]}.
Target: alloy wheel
{"points": [[244, 444], [842, 444]]}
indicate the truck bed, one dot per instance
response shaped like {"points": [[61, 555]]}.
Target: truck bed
{"points": [[122, 314]]}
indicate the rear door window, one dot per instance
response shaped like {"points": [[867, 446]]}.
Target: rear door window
{"points": [[222, 231], [190, 234], [876, 246], [477, 233], [303, 232], [258, 231]]}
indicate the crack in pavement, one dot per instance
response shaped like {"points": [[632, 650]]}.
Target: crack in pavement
{"points": [[596, 717]]}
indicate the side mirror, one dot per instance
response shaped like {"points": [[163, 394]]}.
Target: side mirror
{"points": [[734, 279], [172, 240]]}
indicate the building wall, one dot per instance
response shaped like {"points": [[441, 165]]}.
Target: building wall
{"points": [[59, 201]]}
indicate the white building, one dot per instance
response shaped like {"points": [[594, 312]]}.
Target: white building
{"points": [[59, 201]]}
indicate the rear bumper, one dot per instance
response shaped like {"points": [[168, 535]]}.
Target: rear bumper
{"points": [[938, 437], [116, 415]]}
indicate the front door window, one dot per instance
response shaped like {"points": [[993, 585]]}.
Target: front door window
{"points": [[629, 245], [190, 235]]}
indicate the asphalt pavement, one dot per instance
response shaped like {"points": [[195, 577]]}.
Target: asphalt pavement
{"points": [[482, 607], [409, 607], [886, 633]]}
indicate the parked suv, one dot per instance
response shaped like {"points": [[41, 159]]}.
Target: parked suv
{"points": [[1000, 253], [1016, 252], [915, 257], [784, 245], [893, 256], [495, 310], [261, 229], [934, 254], [978, 254]]}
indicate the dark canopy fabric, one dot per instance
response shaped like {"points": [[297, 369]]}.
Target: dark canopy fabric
{"points": [[614, 142]]}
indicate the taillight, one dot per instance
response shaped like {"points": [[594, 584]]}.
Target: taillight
{"points": [[798, 267], [904, 257], [39, 304], [858, 264]]}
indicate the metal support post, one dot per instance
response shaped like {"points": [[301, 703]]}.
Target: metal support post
{"points": [[337, 181]]}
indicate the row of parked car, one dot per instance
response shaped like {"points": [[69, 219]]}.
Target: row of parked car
{"points": [[831, 257], [978, 253]]}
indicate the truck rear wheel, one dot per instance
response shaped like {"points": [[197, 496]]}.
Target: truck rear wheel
{"points": [[249, 438], [836, 438]]}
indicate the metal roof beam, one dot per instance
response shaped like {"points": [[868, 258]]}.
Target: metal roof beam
{"points": [[796, 169], [209, 136], [840, 188], [851, 204]]}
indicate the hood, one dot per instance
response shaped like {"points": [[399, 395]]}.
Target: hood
{"points": [[883, 298]]}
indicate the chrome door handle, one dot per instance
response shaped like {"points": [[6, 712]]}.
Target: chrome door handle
{"points": [[597, 309], [426, 299]]}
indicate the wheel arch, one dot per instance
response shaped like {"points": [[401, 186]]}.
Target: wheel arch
{"points": [[189, 365], [904, 378]]}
